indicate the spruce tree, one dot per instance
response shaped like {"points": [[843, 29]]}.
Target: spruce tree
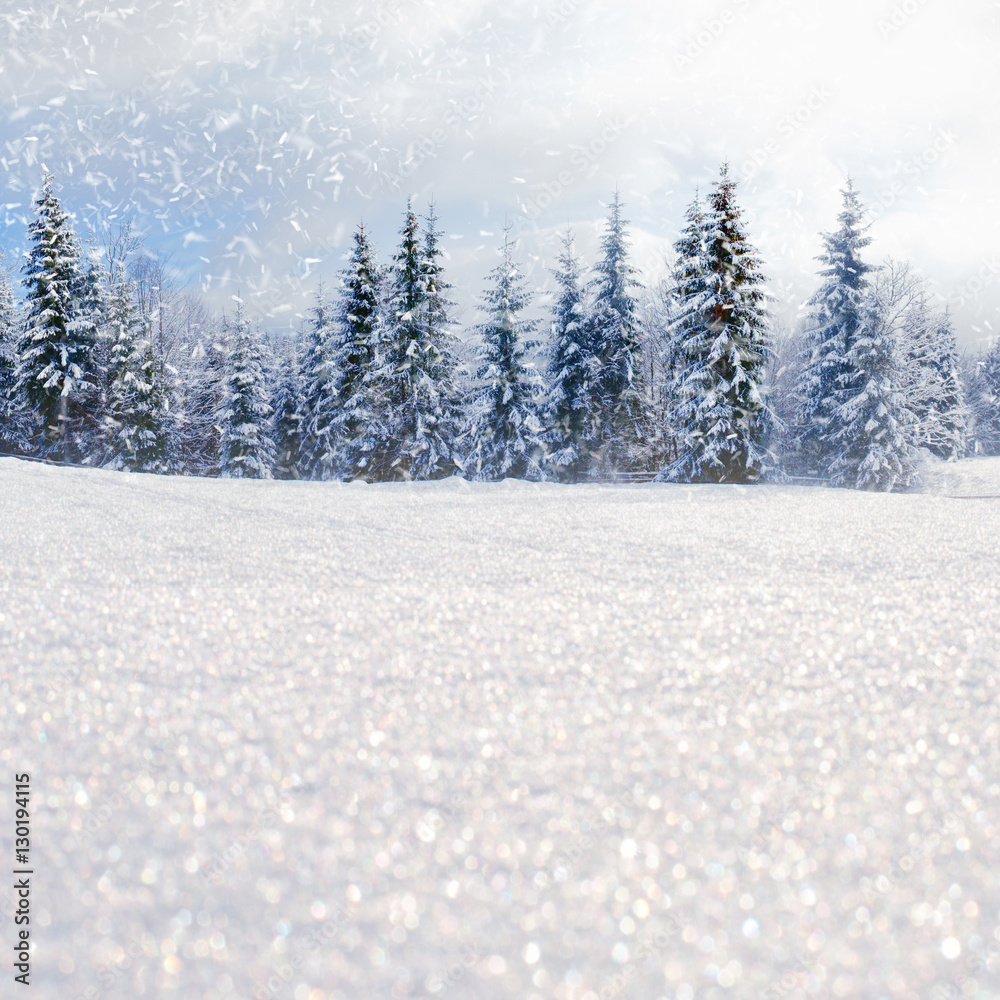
{"points": [[571, 424], [616, 347], [874, 424], [504, 429], [55, 374], [288, 403], [983, 389], [13, 412], [420, 376], [723, 347], [320, 444], [835, 321], [137, 420], [246, 448], [360, 374]]}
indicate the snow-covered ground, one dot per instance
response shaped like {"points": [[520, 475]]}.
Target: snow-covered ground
{"points": [[316, 741]]}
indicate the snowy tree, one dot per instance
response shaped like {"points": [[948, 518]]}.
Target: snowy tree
{"points": [[288, 404], [616, 346], [13, 412], [359, 370], [835, 319], [422, 397], [570, 424], [873, 421], [504, 427], [983, 390], [319, 446], [934, 386], [54, 372], [722, 346], [246, 448], [137, 419]]}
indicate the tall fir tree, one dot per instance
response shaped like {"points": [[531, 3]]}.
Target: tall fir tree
{"points": [[360, 372], [983, 389], [55, 372], [873, 421], [723, 349], [13, 411], [835, 323], [138, 421], [320, 442], [421, 390], [616, 346], [571, 425], [504, 432], [288, 405], [247, 451]]}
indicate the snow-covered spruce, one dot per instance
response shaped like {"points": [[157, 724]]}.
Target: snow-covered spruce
{"points": [[834, 323], [288, 417], [504, 429], [246, 448], [14, 415], [423, 413], [319, 446], [137, 421], [55, 377], [983, 388], [616, 345], [357, 361], [721, 346], [873, 440], [571, 426]]}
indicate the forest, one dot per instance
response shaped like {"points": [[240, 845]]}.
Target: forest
{"points": [[104, 363]]}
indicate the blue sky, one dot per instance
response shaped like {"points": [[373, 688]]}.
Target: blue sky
{"points": [[248, 139]]}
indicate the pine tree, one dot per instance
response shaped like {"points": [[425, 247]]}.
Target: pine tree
{"points": [[873, 421], [138, 420], [616, 347], [571, 425], [13, 412], [836, 310], [288, 403], [723, 346], [421, 390], [504, 427], [983, 389], [55, 374], [360, 373], [320, 444], [247, 451]]}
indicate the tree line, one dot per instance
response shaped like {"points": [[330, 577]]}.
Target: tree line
{"points": [[104, 363]]}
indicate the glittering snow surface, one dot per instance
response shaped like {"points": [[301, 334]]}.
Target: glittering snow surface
{"points": [[318, 741]]}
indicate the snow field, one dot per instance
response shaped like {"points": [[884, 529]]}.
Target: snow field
{"points": [[322, 741]]}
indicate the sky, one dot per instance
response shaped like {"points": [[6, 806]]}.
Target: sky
{"points": [[246, 140]]}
